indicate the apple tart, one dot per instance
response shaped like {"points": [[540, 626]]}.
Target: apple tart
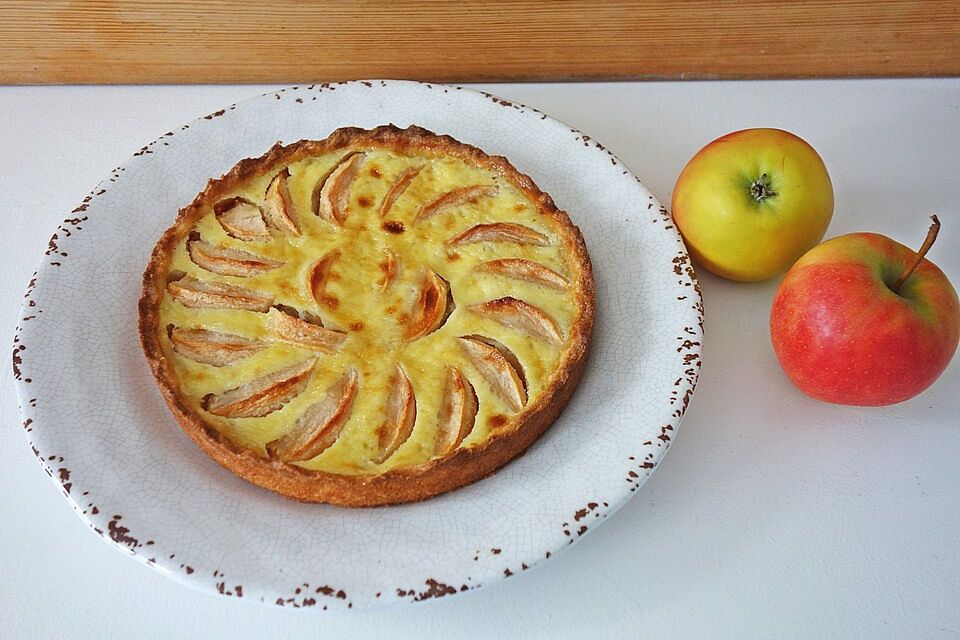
{"points": [[373, 318]]}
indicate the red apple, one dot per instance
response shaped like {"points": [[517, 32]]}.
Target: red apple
{"points": [[863, 320]]}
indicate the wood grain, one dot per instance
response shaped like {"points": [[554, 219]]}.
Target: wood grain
{"points": [[129, 41]]}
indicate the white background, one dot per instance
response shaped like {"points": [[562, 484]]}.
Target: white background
{"points": [[773, 515]]}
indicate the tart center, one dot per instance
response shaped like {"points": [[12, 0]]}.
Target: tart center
{"points": [[371, 286]]}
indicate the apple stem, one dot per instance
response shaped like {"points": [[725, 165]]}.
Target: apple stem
{"points": [[927, 243], [760, 190]]}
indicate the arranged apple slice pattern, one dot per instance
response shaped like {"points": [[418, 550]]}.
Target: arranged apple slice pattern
{"points": [[475, 300]]}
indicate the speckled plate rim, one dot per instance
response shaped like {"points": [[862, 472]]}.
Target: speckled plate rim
{"points": [[103, 518]]}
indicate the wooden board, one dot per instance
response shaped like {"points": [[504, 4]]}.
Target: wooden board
{"points": [[128, 41]]}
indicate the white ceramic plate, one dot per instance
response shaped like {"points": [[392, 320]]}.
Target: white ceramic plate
{"points": [[100, 429]]}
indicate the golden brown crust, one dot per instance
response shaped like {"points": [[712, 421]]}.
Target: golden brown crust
{"points": [[405, 484]]}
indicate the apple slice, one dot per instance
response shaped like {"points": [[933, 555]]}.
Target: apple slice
{"points": [[401, 416], [319, 274], [278, 206], [389, 269], [501, 232], [455, 198], [228, 262], [262, 396], [334, 195], [429, 310], [458, 412], [320, 425], [521, 269], [212, 347], [242, 219], [288, 328], [499, 367], [522, 316], [199, 294], [404, 178]]}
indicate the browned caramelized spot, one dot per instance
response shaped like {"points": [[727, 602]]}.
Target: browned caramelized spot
{"points": [[334, 195], [493, 363], [521, 316], [290, 311], [310, 317], [458, 412], [262, 396], [404, 178], [328, 301], [320, 425], [364, 201], [501, 232], [319, 274], [527, 270], [242, 219], [198, 294], [228, 262], [453, 256], [375, 172], [278, 206], [290, 328], [455, 198], [356, 326], [393, 226], [497, 420], [389, 269], [429, 309], [211, 347], [401, 414]]}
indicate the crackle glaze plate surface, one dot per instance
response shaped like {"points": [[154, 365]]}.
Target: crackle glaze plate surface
{"points": [[96, 421]]}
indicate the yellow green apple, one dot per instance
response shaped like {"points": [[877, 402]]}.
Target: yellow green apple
{"points": [[750, 203]]}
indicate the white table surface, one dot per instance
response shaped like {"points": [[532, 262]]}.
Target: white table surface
{"points": [[773, 515]]}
